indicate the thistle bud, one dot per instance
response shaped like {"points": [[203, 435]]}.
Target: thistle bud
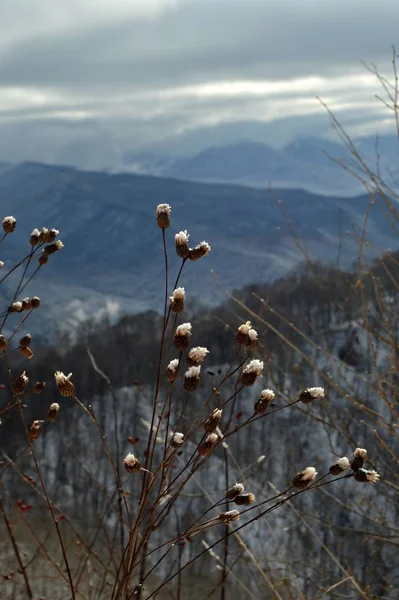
{"points": [[234, 491], [263, 401], [213, 420], [340, 466], [200, 250], [313, 393], [3, 343], [197, 355], [65, 386], [34, 430], [177, 440], [359, 456], [177, 300], [244, 499], [208, 445], [302, 479], [250, 373], [19, 385], [35, 302], [229, 516], [363, 476], [173, 370], [53, 410], [131, 463], [25, 341], [163, 215], [181, 244], [9, 224], [38, 387], [182, 336], [191, 379], [34, 237], [27, 352], [27, 304]]}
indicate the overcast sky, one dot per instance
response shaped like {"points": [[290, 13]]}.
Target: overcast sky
{"points": [[91, 79]]}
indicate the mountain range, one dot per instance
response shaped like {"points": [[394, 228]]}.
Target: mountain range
{"points": [[113, 256]]}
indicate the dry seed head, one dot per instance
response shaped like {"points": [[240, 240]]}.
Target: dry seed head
{"points": [[208, 445], [51, 248], [177, 300], [363, 476], [229, 516], [359, 456], [34, 430], [263, 402], [197, 355], [15, 306], [35, 301], [213, 420], [200, 250], [243, 499], [177, 440], [3, 343], [65, 386], [19, 385], [251, 372], [27, 352], [1, 264], [340, 466], [234, 491], [163, 215], [27, 304], [173, 370], [181, 244], [50, 235], [191, 379], [43, 234], [34, 237], [25, 341], [53, 410], [9, 224], [182, 336], [302, 479], [43, 258], [131, 463], [310, 394], [247, 336], [38, 387]]}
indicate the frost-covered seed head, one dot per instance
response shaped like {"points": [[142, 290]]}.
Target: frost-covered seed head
{"points": [[53, 410], [65, 386], [310, 394], [181, 244], [302, 479], [340, 466], [177, 300], [9, 224], [50, 235], [247, 336], [182, 336], [213, 420], [51, 248], [229, 516], [200, 250], [197, 355], [267, 395], [192, 378], [251, 372], [243, 499], [131, 463], [177, 440], [34, 237], [235, 489], [163, 215], [15, 307], [363, 476], [359, 456], [173, 370]]}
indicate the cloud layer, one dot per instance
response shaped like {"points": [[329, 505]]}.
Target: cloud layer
{"points": [[76, 75]]}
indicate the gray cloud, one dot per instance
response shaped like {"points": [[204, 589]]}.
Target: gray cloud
{"points": [[133, 72]]}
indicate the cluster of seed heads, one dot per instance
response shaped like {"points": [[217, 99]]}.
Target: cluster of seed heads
{"points": [[18, 306], [356, 464]]}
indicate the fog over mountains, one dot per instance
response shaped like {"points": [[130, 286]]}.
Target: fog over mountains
{"points": [[113, 249]]}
